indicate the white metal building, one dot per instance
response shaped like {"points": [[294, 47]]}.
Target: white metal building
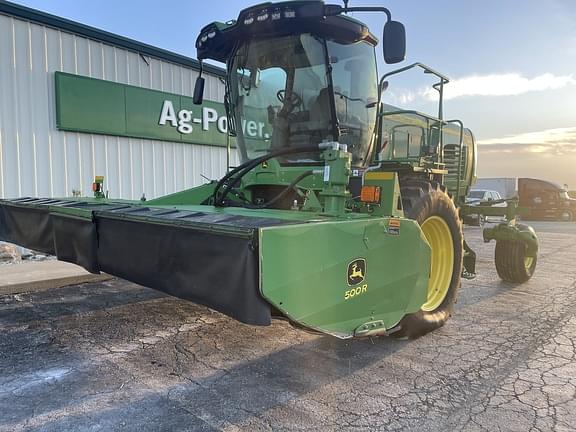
{"points": [[39, 159]]}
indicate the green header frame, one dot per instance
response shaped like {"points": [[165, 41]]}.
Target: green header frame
{"points": [[95, 106]]}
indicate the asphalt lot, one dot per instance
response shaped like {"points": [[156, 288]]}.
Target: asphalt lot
{"points": [[115, 356]]}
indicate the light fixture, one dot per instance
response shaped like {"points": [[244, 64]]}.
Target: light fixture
{"points": [[263, 16], [276, 14], [289, 13]]}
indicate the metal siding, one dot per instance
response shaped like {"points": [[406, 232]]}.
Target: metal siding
{"points": [[36, 159]]}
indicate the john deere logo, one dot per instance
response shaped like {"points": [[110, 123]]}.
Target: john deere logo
{"points": [[356, 271]]}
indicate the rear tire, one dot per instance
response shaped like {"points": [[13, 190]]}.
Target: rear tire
{"points": [[512, 262], [429, 205]]}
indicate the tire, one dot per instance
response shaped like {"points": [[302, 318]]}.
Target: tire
{"points": [[425, 202], [512, 262], [482, 220], [567, 216]]}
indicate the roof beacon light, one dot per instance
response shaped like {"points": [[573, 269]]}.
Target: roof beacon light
{"points": [[211, 34], [276, 14], [248, 20]]}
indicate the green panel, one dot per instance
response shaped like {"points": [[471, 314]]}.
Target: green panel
{"points": [[143, 109], [304, 272], [194, 196], [85, 104], [206, 128], [103, 107]]}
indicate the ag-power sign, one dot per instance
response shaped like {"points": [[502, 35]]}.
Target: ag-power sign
{"points": [[103, 107]]}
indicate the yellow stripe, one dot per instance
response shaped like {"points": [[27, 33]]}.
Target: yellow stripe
{"points": [[379, 175]]}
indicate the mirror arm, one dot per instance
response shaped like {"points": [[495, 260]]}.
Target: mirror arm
{"points": [[369, 9], [337, 10]]}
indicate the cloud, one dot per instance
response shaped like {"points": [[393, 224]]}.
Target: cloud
{"points": [[544, 138], [402, 97], [500, 85], [548, 154], [547, 143]]}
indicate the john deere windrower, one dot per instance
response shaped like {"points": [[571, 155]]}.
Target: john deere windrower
{"points": [[343, 216]]}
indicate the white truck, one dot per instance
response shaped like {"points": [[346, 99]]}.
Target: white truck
{"points": [[507, 187]]}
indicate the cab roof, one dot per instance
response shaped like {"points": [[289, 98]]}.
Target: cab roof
{"points": [[218, 40]]}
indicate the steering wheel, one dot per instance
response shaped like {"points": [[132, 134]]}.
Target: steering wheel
{"points": [[292, 101]]}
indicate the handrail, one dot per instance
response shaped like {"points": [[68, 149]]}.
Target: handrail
{"points": [[427, 69], [459, 122], [439, 87], [426, 116], [428, 119]]}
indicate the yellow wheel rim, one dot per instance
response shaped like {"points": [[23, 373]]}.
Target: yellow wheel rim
{"points": [[528, 261], [439, 237]]}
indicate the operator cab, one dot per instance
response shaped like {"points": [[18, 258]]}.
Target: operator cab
{"points": [[299, 74], [284, 83]]}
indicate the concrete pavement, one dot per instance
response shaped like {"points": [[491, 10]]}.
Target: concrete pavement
{"points": [[34, 276], [112, 356]]}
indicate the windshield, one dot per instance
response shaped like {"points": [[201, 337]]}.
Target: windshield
{"points": [[280, 96], [476, 194], [354, 77]]}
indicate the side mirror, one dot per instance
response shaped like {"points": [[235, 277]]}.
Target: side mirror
{"points": [[198, 91], [394, 42]]}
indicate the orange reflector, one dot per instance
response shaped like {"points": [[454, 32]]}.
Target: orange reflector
{"points": [[370, 194]]}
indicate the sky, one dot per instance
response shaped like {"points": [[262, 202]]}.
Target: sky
{"points": [[512, 65]]}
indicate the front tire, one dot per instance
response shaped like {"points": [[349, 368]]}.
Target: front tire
{"points": [[429, 205]]}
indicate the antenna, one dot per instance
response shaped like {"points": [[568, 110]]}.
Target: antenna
{"points": [[345, 3]]}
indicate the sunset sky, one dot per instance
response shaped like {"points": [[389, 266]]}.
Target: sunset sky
{"points": [[512, 65]]}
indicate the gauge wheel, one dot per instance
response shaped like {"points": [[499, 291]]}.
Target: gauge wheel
{"points": [[513, 262], [429, 204]]}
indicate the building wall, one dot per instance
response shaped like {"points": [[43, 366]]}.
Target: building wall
{"points": [[36, 159]]}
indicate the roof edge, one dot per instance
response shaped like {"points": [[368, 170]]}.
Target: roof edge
{"points": [[19, 11]]}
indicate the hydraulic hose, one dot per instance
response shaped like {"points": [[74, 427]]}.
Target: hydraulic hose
{"points": [[285, 190], [240, 171]]}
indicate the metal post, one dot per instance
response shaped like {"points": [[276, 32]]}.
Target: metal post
{"points": [[227, 151]]}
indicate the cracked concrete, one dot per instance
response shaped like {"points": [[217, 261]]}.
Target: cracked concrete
{"points": [[115, 356]]}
